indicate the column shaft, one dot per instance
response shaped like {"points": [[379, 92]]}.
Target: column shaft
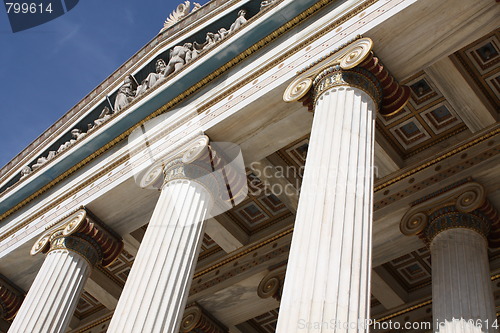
{"points": [[327, 280], [461, 285], [53, 296], [156, 290]]}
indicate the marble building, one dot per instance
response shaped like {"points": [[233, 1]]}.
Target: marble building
{"points": [[368, 197]]}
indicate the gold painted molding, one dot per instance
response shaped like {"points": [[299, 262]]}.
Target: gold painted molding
{"points": [[495, 131]]}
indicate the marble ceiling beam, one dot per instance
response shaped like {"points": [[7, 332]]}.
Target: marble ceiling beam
{"points": [[227, 235], [404, 41], [384, 292], [102, 288], [286, 191], [475, 111]]}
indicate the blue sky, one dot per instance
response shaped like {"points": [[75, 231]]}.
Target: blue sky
{"points": [[48, 69]]}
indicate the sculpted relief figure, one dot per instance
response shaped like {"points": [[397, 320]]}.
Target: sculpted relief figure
{"points": [[209, 41], [77, 134], [266, 3], [26, 170], [239, 21], [42, 160], [221, 34], [153, 78], [179, 56], [126, 94], [105, 114]]}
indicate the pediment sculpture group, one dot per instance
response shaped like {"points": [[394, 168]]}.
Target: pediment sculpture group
{"points": [[180, 55]]}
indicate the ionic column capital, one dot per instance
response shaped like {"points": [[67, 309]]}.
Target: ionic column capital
{"points": [[201, 162], [11, 298], [272, 284], [196, 318], [82, 233], [359, 78], [462, 205], [353, 64]]}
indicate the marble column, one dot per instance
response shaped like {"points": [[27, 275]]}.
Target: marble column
{"points": [[462, 296], [327, 277], [74, 247], [155, 294], [327, 283]]}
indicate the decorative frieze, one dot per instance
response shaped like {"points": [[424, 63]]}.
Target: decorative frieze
{"points": [[196, 319], [11, 298], [180, 56]]}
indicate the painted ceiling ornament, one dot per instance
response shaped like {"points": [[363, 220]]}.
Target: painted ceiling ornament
{"points": [[179, 13]]}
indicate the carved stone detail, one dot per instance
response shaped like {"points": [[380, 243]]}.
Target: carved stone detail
{"points": [[196, 318], [81, 232], [126, 93], [266, 4], [76, 134], [356, 54], [179, 13], [463, 206], [357, 77], [43, 160], [25, 171], [11, 298], [272, 284]]}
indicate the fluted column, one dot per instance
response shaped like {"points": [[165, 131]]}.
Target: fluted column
{"points": [[328, 269], [328, 274], [74, 247], [456, 232], [155, 294]]}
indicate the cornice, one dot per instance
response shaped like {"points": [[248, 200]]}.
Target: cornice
{"points": [[218, 72], [139, 59]]}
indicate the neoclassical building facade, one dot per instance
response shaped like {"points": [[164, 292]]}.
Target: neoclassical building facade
{"points": [[270, 166]]}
